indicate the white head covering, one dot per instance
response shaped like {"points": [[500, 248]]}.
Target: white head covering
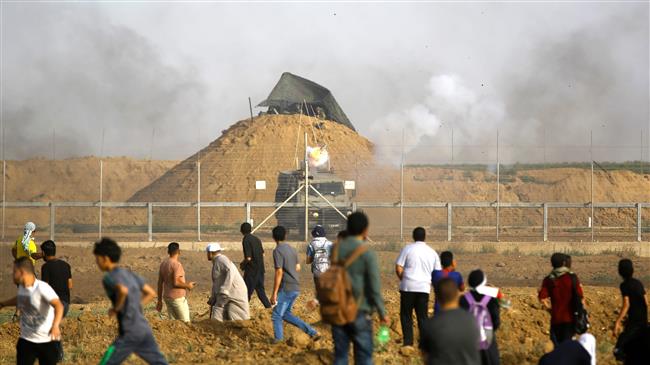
{"points": [[484, 289], [213, 247], [588, 341], [30, 227]]}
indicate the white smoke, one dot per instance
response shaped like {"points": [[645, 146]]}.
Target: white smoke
{"points": [[449, 104]]}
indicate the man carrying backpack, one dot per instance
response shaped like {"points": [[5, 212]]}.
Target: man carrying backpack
{"points": [[350, 291], [557, 295], [486, 311], [318, 255], [318, 252]]}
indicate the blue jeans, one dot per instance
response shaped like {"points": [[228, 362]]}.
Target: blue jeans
{"points": [[282, 312], [360, 333]]}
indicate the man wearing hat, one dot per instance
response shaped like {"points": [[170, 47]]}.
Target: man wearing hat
{"points": [[229, 298]]}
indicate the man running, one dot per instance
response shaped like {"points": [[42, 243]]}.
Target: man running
{"points": [[58, 275], [172, 286], [41, 314], [229, 298], [286, 287], [556, 295], [253, 264], [128, 293]]}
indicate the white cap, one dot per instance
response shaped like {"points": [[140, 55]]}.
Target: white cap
{"points": [[30, 226], [213, 247]]}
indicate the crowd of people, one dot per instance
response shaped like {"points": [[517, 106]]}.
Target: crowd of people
{"points": [[460, 329]]}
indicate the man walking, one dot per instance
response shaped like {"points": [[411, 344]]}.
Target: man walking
{"points": [[57, 274], [556, 296], [41, 313], [172, 286], [253, 264], [128, 293], [318, 252], [229, 298], [452, 336], [286, 287], [365, 280], [413, 267]]}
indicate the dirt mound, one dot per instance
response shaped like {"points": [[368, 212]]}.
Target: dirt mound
{"points": [[253, 150], [77, 179]]}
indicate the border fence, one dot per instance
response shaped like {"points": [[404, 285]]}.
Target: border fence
{"points": [[440, 229]]}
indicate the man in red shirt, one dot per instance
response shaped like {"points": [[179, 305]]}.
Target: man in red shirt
{"points": [[556, 295]]}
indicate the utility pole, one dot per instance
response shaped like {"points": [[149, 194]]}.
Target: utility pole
{"points": [[306, 191], [198, 201], [498, 187], [401, 194], [591, 154]]}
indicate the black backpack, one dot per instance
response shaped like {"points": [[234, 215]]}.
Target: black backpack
{"points": [[580, 315]]}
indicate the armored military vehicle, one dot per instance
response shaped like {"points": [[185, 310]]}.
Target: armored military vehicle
{"points": [[329, 185]]}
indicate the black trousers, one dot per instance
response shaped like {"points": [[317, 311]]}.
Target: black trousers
{"points": [[255, 283], [562, 332], [27, 352], [409, 301]]}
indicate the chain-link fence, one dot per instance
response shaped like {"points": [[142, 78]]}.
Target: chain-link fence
{"points": [[499, 191]]}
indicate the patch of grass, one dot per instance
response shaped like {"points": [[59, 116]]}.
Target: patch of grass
{"points": [[512, 252], [633, 166], [6, 316], [388, 246], [604, 346], [604, 278], [574, 252], [627, 252], [488, 248], [533, 180], [577, 230], [74, 353]]}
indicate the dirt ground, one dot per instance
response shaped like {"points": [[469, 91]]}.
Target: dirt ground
{"points": [[88, 330]]}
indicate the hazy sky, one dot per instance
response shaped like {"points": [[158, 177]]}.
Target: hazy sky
{"points": [[530, 70]]}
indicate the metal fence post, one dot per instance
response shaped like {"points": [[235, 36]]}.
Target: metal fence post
{"points": [[101, 195], [401, 194], [638, 222], [198, 202], [150, 221], [52, 213], [247, 205], [449, 216], [545, 208]]}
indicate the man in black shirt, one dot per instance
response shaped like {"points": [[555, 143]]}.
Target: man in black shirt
{"points": [[451, 337], [57, 274], [253, 264], [630, 345]]}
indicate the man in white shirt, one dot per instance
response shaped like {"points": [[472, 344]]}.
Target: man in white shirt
{"points": [[413, 267], [41, 313]]}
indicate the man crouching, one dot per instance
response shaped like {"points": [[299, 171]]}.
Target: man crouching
{"points": [[229, 298]]}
